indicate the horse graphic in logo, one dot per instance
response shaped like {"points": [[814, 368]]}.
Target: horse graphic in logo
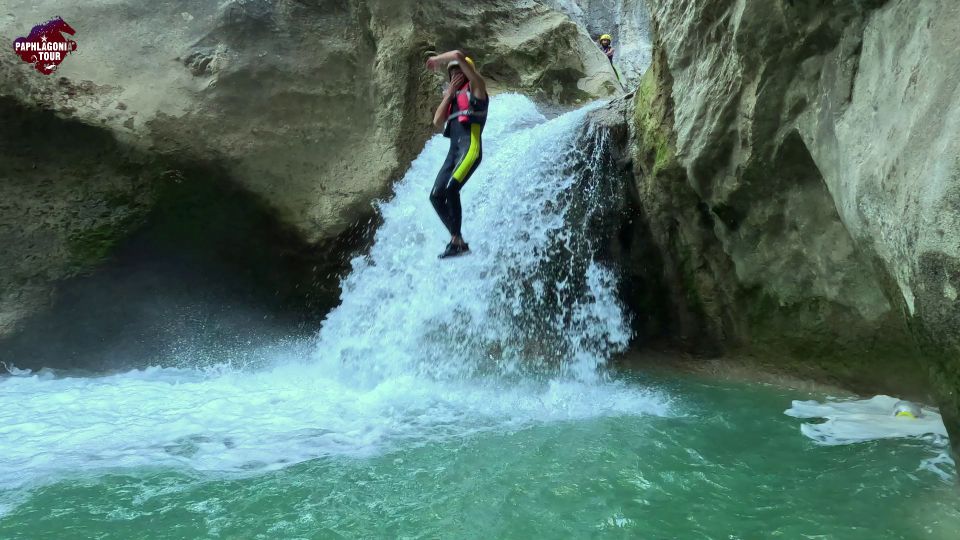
{"points": [[46, 47]]}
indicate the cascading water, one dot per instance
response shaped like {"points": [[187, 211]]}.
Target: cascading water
{"points": [[530, 297], [419, 350]]}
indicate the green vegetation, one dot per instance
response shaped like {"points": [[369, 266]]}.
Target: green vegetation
{"points": [[90, 247], [655, 147]]}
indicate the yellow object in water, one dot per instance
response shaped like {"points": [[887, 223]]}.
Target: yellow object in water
{"points": [[907, 410]]}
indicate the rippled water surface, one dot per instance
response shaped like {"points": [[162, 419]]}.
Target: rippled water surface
{"points": [[722, 461]]}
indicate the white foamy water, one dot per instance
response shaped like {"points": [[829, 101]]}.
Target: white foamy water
{"points": [[530, 291], [420, 350], [853, 421], [265, 420]]}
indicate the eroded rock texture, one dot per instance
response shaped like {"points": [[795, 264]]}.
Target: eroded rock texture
{"points": [[798, 165], [627, 21]]}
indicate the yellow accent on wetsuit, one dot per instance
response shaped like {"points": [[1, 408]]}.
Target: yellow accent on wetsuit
{"points": [[471, 156]]}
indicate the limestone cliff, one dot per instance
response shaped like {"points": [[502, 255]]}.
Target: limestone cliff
{"points": [[798, 167], [627, 21], [311, 107]]}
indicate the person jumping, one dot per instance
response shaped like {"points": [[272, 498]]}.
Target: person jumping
{"points": [[461, 114]]}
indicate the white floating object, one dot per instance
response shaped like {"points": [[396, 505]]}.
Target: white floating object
{"points": [[853, 421]]}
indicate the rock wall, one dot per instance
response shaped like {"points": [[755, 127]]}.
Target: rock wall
{"points": [[66, 189], [311, 107], [522, 45], [627, 21], [798, 167]]}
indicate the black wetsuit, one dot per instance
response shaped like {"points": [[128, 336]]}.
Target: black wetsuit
{"points": [[606, 51], [466, 151]]}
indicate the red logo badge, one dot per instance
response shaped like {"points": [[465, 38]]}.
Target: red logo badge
{"points": [[46, 47]]}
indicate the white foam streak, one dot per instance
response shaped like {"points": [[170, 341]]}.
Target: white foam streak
{"points": [[941, 465]]}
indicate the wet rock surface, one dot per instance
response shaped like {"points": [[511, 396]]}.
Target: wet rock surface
{"points": [[797, 168]]}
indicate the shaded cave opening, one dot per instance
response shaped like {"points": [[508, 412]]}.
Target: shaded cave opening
{"points": [[207, 275]]}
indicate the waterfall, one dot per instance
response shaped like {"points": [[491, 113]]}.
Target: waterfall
{"points": [[530, 298], [419, 351]]}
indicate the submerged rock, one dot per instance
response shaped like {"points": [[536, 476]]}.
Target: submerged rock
{"points": [[798, 168]]}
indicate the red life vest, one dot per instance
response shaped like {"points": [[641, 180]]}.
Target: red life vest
{"points": [[463, 112]]}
